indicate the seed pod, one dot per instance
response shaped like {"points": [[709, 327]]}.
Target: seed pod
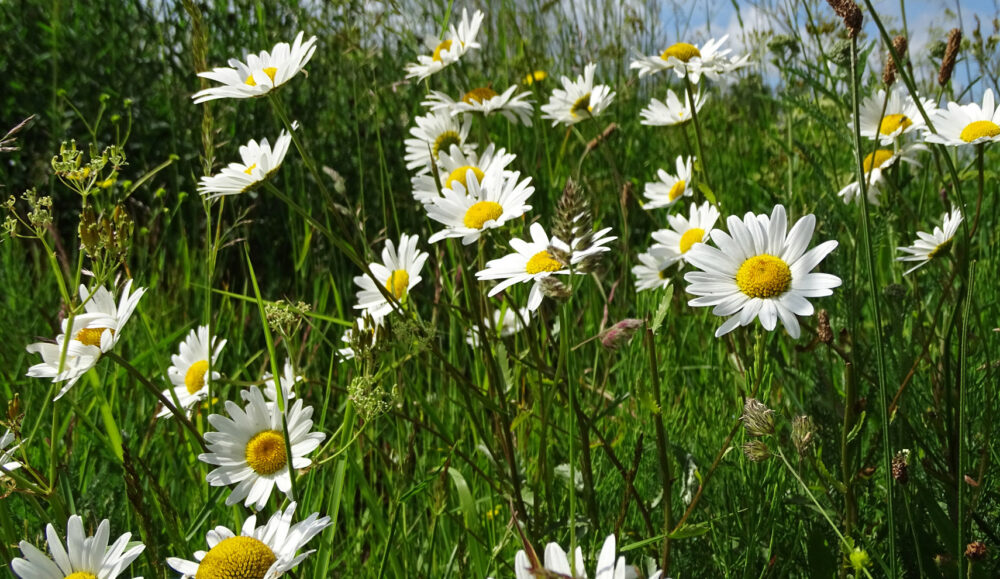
{"points": [[950, 55], [757, 418]]}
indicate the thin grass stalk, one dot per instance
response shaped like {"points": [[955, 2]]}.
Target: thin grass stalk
{"points": [[699, 139], [662, 450], [869, 258], [963, 387]]}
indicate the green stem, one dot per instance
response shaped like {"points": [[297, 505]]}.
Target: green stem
{"points": [[663, 448], [699, 139]]}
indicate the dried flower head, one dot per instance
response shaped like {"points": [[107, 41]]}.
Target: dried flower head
{"points": [[553, 288], [756, 451], [975, 551], [889, 74], [802, 433], [620, 334], [848, 10], [757, 418], [901, 466], [823, 330], [950, 55]]}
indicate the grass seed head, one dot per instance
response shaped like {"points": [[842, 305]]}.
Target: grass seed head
{"points": [[848, 10], [950, 55], [757, 418], [756, 451], [889, 74]]}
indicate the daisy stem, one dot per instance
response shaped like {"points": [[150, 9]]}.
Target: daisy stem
{"points": [[180, 416], [279, 109], [869, 260], [564, 341], [963, 387], [663, 448], [699, 141]]}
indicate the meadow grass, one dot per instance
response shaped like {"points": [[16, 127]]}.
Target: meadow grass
{"points": [[443, 459]]}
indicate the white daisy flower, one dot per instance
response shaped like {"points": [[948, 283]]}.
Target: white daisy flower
{"points": [[578, 100], [468, 211], [875, 165], [966, 124], [265, 552], [189, 369], [364, 326], [288, 381], [672, 111], [759, 271], [7, 462], [249, 448], [433, 136], [557, 563], [259, 161], [686, 232], [651, 271], [531, 261], [931, 245], [507, 322], [102, 303], [901, 115], [454, 167], [459, 41], [687, 60], [79, 358], [485, 101], [398, 273], [670, 188], [83, 557], [260, 74]]}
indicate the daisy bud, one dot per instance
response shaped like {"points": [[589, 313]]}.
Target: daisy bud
{"points": [[802, 433], [889, 74], [620, 334], [901, 466], [756, 451], [848, 10], [757, 418], [975, 551], [950, 55], [555, 289]]}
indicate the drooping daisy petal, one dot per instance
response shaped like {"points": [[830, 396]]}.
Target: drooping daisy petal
{"points": [[889, 117], [690, 61], [578, 100], [875, 165], [457, 42], [259, 161], [672, 111], [929, 246], [189, 371], [261, 72], [670, 188], [398, 273], [485, 101]]}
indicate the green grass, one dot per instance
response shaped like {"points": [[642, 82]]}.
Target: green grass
{"points": [[470, 455]]}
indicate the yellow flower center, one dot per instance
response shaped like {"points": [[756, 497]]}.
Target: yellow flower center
{"points": [[876, 160], [537, 76], [237, 558], [581, 104], [682, 51], [979, 129], [691, 237], [677, 190], [249, 170], [444, 142], [444, 46], [542, 261], [764, 276], [461, 175], [194, 379], [265, 452], [941, 249], [81, 575], [398, 283], [481, 212], [92, 336], [270, 71], [479, 95], [663, 273], [892, 123]]}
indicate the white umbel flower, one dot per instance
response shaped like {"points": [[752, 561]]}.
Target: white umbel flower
{"points": [[458, 41], [929, 246], [557, 563], [688, 60], [467, 211], [969, 124], [686, 232], [189, 370], [531, 261], [506, 322], [249, 448], [760, 270], [7, 448], [901, 115], [260, 74], [259, 161], [434, 136], [672, 111], [398, 273], [267, 552], [578, 100], [875, 165], [455, 166], [83, 557], [485, 101], [670, 188]]}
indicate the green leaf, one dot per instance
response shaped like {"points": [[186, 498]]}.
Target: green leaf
{"points": [[661, 310]]}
